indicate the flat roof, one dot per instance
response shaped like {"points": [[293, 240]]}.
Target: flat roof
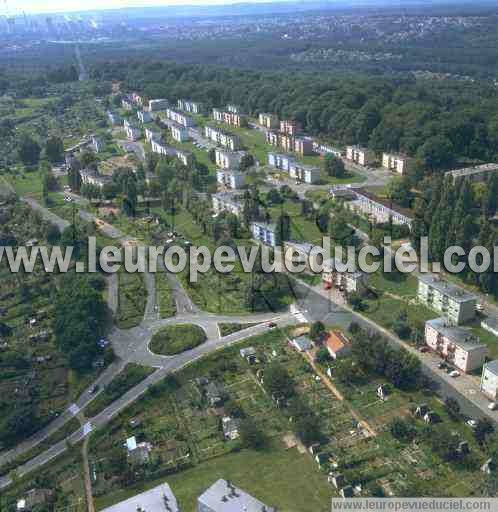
{"points": [[225, 497], [464, 338], [384, 202], [452, 290], [469, 171], [158, 499], [492, 366]]}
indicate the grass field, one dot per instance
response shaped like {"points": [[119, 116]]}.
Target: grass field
{"points": [[175, 339], [230, 328], [132, 300], [165, 298]]}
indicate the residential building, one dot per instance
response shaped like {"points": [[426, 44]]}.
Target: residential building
{"points": [[305, 173], [234, 109], [144, 116], [232, 118], [490, 323], [286, 142], [230, 428], [249, 354], [280, 161], [269, 121], [191, 107], [179, 133], [161, 148], [179, 118], [231, 179], [97, 144], [185, 157], [401, 164], [301, 343], [359, 155], [272, 138], [151, 135], [137, 99], [138, 453], [264, 233], [94, 178], [114, 118], [378, 209], [324, 149], [228, 159], [290, 127], [34, 498], [447, 298], [338, 345], [158, 499], [223, 496], [303, 146], [132, 132], [226, 202], [158, 105], [222, 138], [127, 104], [457, 345], [489, 379], [348, 282], [477, 173], [215, 394]]}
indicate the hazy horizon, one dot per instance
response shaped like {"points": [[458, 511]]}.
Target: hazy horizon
{"points": [[8, 7]]}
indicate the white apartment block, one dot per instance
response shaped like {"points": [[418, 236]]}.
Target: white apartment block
{"points": [[114, 118], [151, 135], [359, 155], [158, 105], [324, 149], [454, 302], [159, 147], [477, 173], [378, 209], [264, 233], [269, 121], [137, 99], [290, 127], [222, 138], [228, 159], [272, 138], [280, 161], [224, 202], [489, 380], [234, 109], [231, 118], [345, 282], [144, 116], [230, 179], [132, 132], [179, 133], [455, 344], [191, 107], [179, 118], [400, 164], [304, 173], [185, 157], [127, 104], [93, 178]]}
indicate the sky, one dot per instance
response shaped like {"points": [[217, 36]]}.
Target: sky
{"points": [[37, 6]]}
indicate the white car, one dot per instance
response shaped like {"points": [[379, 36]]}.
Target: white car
{"points": [[493, 406], [472, 423], [454, 374]]}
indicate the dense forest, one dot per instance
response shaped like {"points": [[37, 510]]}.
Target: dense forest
{"points": [[440, 123]]}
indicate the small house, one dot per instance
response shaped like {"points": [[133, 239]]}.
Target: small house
{"points": [[249, 354], [347, 492], [431, 417], [337, 480], [383, 392], [421, 410], [214, 394], [338, 345], [138, 453], [230, 428], [33, 498], [301, 343]]}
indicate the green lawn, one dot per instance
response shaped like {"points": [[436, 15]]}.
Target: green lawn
{"points": [[132, 300], [230, 328], [175, 339], [165, 298], [278, 477]]}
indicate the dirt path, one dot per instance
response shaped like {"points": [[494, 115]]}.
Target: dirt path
{"points": [[88, 478], [339, 395]]}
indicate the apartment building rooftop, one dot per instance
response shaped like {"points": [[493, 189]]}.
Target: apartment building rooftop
{"points": [[384, 202], [158, 499], [469, 171], [464, 338], [452, 290]]}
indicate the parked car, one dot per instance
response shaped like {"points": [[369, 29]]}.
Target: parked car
{"points": [[471, 423], [272, 325], [493, 406], [454, 374]]}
